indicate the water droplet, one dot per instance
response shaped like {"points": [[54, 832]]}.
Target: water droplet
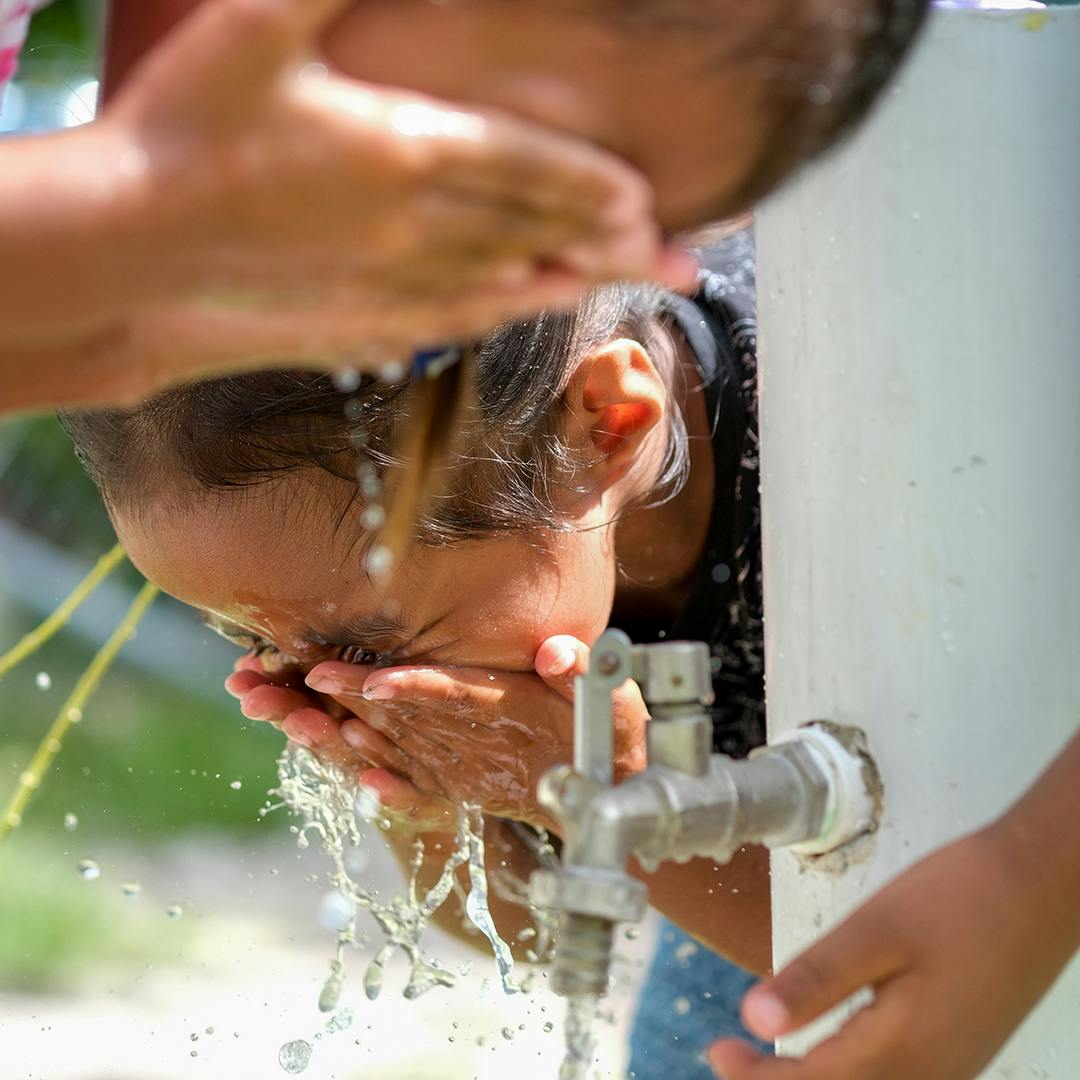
{"points": [[336, 911], [721, 573], [916, 215], [74, 715], [71, 822], [342, 1020], [686, 950], [43, 680], [392, 372], [373, 981], [633, 933], [313, 72], [549, 1027], [194, 1036], [131, 888], [346, 380], [174, 911], [210, 1030], [89, 870], [681, 1006], [819, 94], [373, 518], [236, 785], [508, 1034], [295, 1056], [466, 968], [379, 561], [368, 806]]}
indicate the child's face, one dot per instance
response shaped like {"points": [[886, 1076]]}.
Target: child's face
{"points": [[274, 567]]}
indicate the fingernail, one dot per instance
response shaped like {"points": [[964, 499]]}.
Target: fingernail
{"points": [[564, 660], [325, 684], [379, 692], [767, 1015], [352, 736], [252, 715]]}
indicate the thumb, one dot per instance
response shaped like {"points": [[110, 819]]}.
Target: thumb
{"points": [[860, 952], [559, 660]]}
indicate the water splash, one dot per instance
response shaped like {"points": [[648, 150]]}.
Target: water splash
{"points": [[327, 804]]}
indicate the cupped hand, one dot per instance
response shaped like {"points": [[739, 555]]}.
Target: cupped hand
{"points": [[478, 736], [955, 955], [274, 692]]}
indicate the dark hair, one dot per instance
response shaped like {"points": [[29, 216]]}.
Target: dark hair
{"points": [[509, 458], [822, 83]]}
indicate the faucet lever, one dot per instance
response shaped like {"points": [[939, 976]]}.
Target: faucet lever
{"points": [[610, 665]]}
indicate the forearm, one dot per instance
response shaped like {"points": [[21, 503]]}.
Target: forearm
{"points": [[727, 908], [73, 246], [1042, 842]]}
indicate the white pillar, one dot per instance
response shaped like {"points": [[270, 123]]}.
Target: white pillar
{"points": [[920, 314]]}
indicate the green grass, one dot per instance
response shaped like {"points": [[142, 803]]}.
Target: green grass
{"points": [[54, 926]]}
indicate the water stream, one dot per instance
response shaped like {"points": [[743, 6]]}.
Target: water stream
{"points": [[335, 810]]}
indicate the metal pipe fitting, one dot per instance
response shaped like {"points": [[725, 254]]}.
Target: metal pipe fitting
{"points": [[814, 790]]}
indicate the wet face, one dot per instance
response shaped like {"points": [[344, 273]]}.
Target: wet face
{"points": [[279, 571], [694, 127]]}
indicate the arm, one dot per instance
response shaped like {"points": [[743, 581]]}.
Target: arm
{"points": [[222, 185], [958, 950]]}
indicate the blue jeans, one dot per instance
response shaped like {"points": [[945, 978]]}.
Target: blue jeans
{"points": [[691, 998]]}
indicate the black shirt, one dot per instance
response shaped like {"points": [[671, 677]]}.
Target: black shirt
{"points": [[724, 607]]}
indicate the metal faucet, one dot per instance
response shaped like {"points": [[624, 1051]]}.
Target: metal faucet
{"points": [[813, 790]]}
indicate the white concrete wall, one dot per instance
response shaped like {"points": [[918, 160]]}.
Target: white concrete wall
{"points": [[920, 311]]}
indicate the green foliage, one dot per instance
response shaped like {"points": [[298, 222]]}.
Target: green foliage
{"points": [[64, 35], [146, 762]]}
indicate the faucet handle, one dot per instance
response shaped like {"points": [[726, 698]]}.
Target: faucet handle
{"points": [[610, 665]]}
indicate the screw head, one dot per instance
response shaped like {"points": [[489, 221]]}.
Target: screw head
{"points": [[607, 663]]}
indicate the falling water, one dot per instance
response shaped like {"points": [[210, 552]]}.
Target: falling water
{"points": [[326, 801], [580, 1041]]}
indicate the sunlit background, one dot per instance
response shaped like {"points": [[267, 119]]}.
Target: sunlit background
{"points": [[192, 946]]}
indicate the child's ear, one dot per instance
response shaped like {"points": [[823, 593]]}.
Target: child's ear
{"points": [[614, 402]]}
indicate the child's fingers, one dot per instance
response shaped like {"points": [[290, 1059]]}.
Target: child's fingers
{"points": [[272, 703], [560, 660], [423, 746], [387, 754], [860, 952], [400, 799], [311, 728], [471, 687], [240, 683]]}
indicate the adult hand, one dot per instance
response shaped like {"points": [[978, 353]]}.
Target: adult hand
{"points": [[956, 953], [233, 178]]}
